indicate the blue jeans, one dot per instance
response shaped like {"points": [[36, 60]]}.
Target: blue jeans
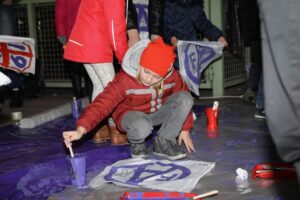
{"points": [[260, 97]]}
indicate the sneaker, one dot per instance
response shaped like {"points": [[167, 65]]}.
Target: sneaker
{"points": [[167, 148], [16, 98], [260, 114], [139, 150]]}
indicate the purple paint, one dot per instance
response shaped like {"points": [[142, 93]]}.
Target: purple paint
{"points": [[78, 170], [76, 108], [179, 172], [142, 11], [33, 162]]}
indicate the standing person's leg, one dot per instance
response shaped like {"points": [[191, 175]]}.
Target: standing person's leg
{"points": [[256, 66], [88, 85], [105, 73], [281, 62], [103, 133], [97, 84], [76, 77], [260, 101], [16, 88], [254, 73]]}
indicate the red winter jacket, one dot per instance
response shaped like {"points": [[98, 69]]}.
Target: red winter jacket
{"points": [[125, 93], [65, 16], [99, 30]]}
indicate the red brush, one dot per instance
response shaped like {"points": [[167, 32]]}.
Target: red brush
{"points": [[165, 195], [274, 171]]}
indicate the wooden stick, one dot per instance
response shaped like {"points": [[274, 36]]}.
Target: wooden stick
{"points": [[273, 170], [71, 150], [213, 192]]}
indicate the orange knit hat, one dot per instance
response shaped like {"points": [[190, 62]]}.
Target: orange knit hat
{"points": [[158, 57]]}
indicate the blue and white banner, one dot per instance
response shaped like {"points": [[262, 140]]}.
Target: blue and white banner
{"points": [[17, 53], [180, 176], [194, 57], [142, 14]]}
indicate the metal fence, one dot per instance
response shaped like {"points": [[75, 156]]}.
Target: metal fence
{"points": [[41, 25], [49, 51]]}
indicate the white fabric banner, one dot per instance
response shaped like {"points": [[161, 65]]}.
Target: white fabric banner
{"points": [[194, 57], [142, 17], [4, 80], [180, 176], [17, 53]]}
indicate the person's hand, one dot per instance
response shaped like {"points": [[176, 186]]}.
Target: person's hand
{"points": [[133, 37], [174, 41], [154, 37], [185, 137], [70, 136], [223, 41], [62, 39]]}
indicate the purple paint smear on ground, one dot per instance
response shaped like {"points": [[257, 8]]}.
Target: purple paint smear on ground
{"points": [[33, 162]]}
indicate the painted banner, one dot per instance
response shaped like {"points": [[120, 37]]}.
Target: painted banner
{"points": [[181, 176], [17, 53], [142, 14], [194, 57]]}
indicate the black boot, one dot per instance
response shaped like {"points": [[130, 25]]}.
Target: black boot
{"points": [[88, 86], [2, 97], [167, 148], [76, 85], [16, 98]]}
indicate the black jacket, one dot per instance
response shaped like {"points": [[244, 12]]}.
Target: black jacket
{"points": [[183, 18], [155, 17], [131, 16], [249, 20]]}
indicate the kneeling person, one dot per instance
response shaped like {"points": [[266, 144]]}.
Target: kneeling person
{"points": [[147, 92]]}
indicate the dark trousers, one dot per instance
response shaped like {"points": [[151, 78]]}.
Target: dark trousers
{"points": [[281, 62], [77, 73], [256, 65]]}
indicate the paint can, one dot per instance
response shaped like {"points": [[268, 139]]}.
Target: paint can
{"points": [[212, 118], [77, 165]]}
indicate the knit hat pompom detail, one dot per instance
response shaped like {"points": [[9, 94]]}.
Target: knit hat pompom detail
{"points": [[158, 57]]}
